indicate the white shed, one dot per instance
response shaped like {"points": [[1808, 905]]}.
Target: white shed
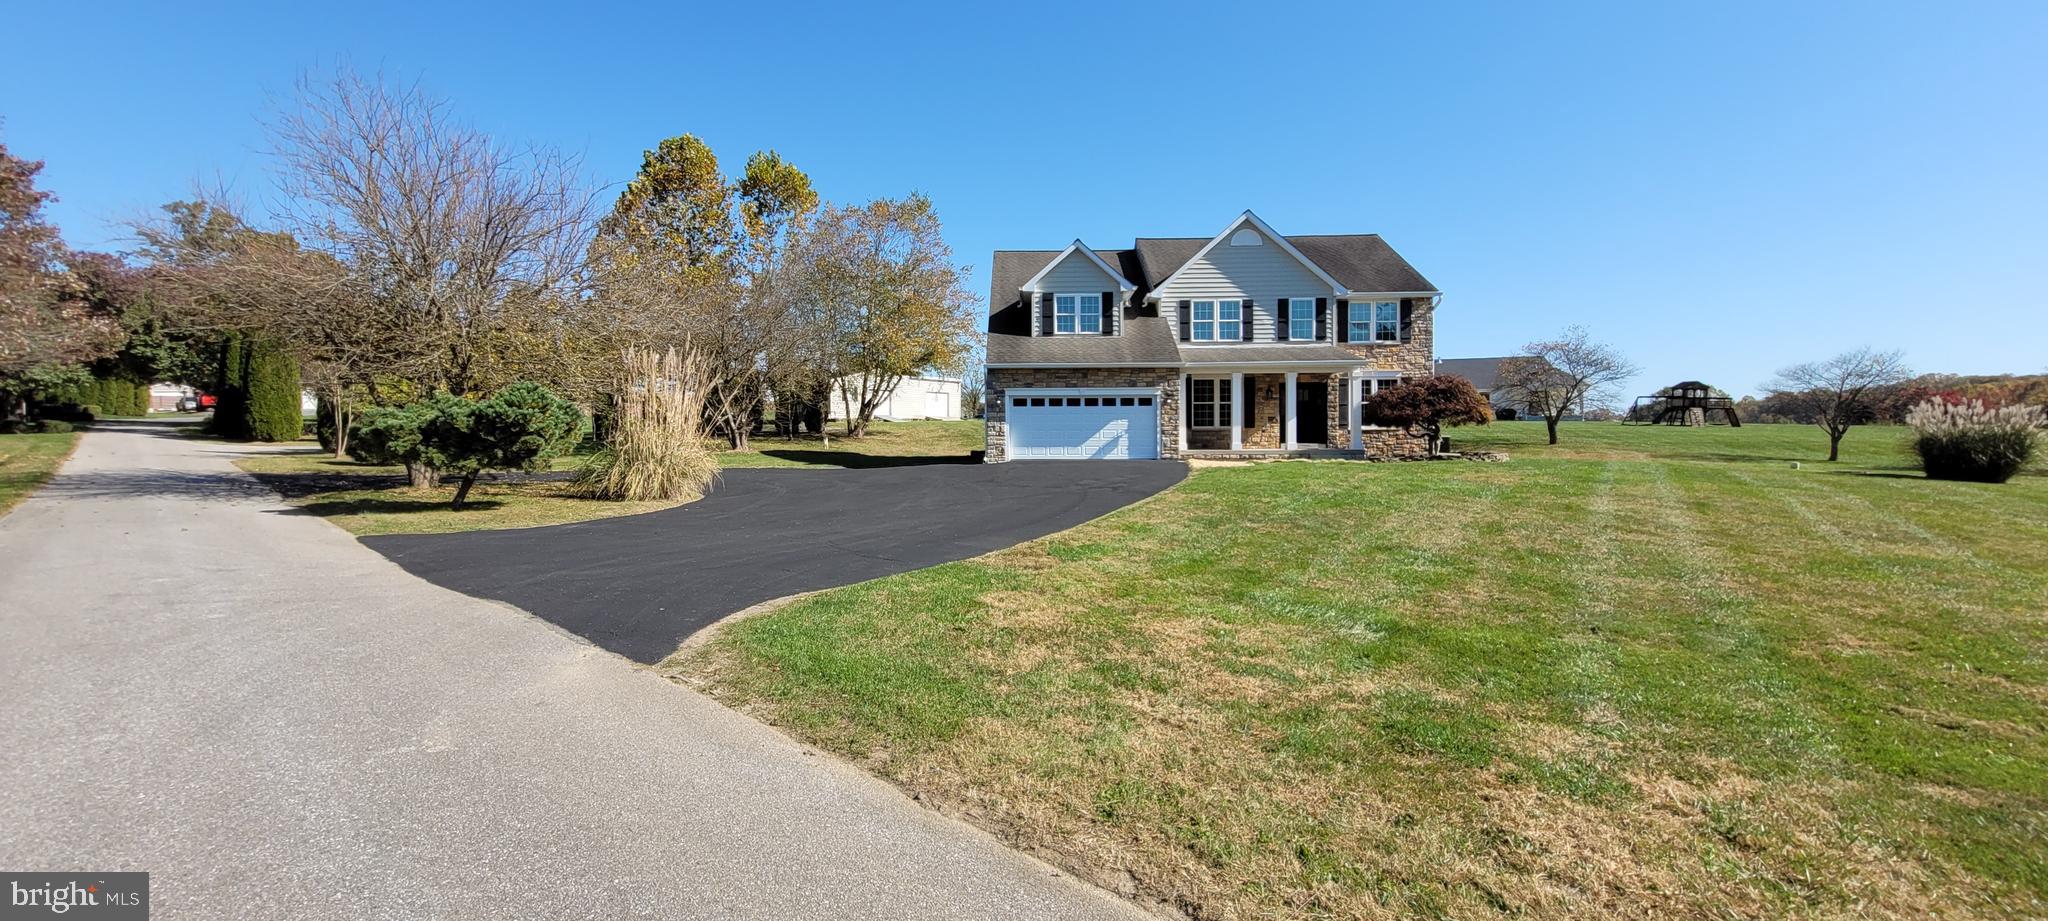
{"points": [[931, 396]]}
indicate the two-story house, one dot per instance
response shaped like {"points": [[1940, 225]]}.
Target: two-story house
{"points": [[1247, 342]]}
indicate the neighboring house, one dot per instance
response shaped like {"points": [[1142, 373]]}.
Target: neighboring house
{"points": [[929, 396], [164, 397], [1248, 342], [1484, 375]]}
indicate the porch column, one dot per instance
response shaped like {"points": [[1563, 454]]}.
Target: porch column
{"points": [[1181, 383], [1287, 435], [1236, 410], [1351, 401]]}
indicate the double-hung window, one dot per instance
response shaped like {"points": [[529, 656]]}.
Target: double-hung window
{"points": [[1371, 387], [1209, 403], [1216, 321], [1071, 312], [1301, 318], [1386, 321]]}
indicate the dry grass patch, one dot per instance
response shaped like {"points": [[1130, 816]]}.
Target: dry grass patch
{"points": [[1561, 687]]}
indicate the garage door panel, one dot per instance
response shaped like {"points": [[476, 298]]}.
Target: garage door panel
{"points": [[1066, 427]]}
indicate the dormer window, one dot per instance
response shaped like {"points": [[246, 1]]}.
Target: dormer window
{"points": [[1077, 313]]}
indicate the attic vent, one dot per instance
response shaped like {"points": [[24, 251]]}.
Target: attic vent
{"points": [[1246, 237]]}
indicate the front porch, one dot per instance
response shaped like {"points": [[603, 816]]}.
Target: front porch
{"points": [[1317, 452], [1288, 412]]}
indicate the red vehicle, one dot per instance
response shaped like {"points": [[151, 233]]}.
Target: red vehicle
{"points": [[206, 401]]}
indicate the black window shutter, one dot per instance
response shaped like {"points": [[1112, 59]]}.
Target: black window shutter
{"points": [[1109, 313], [1322, 319], [1045, 315], [1246, 310], [1343, 320], [1281, 315], [1186, 307], [1407, 317], [1251, 389]]}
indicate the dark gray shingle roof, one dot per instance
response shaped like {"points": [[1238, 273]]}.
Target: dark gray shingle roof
{"points": [[1361, 262], [1483, 373], [1146, 338], [1270, 351]]}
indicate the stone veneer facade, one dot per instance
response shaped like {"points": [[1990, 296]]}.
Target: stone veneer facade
{"points": [[1000, 380], [1413, 357]]}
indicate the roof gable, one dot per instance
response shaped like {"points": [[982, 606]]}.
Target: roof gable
{"points": [[1252, 220], [1078, 248]]}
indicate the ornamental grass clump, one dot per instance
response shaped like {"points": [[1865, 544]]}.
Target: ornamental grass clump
{"points": [[1970, 441], [654, 441]]}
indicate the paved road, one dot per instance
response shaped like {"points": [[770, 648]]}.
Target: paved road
{"points": [[638, 586], [277, 722]]}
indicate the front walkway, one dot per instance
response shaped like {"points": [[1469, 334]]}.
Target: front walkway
{"points": [[274, 721]]}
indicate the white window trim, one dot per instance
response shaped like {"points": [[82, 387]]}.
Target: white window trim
{"points": [[1078, 314], [1216, 324], [1375, 305], [1380, 381], [1288, 318], [1222, 413]]}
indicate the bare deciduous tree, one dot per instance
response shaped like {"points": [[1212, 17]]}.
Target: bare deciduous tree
{"points": [[458, 253], [1838, 393], [1557, 376]]}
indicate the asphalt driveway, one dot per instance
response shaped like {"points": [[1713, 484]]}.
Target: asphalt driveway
{"points": [[639, 586], [275, 722]]}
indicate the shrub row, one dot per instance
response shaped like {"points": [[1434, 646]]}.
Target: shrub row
{"points": [[109, 396]]}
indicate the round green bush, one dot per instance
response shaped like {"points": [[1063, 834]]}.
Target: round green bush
{"points": [[54, 427]]}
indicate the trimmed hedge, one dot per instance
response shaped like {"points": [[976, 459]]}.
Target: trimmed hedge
{"points": [[101, 396]]}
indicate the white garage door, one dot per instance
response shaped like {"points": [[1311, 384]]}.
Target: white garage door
{"points": [[1083, 425]]}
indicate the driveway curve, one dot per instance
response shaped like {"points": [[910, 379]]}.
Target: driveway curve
{"points": [[275, 722], [640, 585]]}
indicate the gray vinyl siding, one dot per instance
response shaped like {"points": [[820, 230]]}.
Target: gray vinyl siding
{"points": [[1077, 275], [1263, 273]]}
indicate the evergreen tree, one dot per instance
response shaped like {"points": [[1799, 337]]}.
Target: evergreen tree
{"points": [[231, 392], [271, 381]]}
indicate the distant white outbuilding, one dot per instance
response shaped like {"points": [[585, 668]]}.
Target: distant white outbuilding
{"points": [[164, 396], [930, 396]]}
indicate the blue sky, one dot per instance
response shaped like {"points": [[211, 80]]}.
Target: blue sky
{"points": [[1719, 189]]}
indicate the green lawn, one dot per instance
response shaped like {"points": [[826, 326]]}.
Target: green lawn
{"points": [[365, 499], [1646, 673], [27, 460], [887, 444]]}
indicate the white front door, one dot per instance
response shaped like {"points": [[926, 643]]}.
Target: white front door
{"points": [[1082, 425]]}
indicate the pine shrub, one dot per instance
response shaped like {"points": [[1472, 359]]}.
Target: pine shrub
{"points": [[1970, 441], [521, 427]]}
